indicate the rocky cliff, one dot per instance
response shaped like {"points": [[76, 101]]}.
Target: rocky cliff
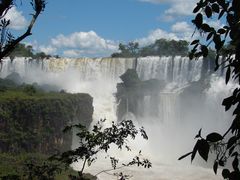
{"points": [[131, 94], [33, 121]]}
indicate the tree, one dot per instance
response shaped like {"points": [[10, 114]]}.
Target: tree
{"points": [[161, 47], [99, 139], [129, 50], [226, 147], [8, 42]]}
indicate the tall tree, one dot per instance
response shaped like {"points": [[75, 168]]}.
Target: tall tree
{"points": [[226, 146], [7, 41]]}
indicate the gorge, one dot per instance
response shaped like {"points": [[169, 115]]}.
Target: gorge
{"points": [[188, 99]]}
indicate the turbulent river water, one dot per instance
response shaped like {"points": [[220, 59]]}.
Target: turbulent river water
{"points": [[170, 136]]}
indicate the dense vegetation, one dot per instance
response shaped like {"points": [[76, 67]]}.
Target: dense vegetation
{"points": [[26, 166], [161, 47], [23, 50], [31, 124], [32, 120]]}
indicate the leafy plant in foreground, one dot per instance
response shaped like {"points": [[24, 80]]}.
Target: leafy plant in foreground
{"points": [[99, 139], [226, 147]]}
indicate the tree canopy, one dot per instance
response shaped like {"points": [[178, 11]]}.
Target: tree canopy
{"points": [[22, 50], [161, 47]]}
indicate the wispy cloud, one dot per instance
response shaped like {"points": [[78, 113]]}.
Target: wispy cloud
{"points": [[156, 34], [179, 31], [177, 8]]}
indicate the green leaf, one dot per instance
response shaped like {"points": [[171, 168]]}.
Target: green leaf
{"points": [[228, 73], [215, 8], [227, 102], [217, 41], [196, 9], [221, 14], [198, 20], [205, 27], [225, 173], [209, 35], [221, 31], [199, 133], [195, 42], [208, 11], [214, 137], [231, 141], [195, 149], [185, 155], [235, 164], [204, 50], [203, 149], [216, 63], [215, 167]]}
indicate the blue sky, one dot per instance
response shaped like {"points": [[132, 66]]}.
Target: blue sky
{"points": [[93, 28]]}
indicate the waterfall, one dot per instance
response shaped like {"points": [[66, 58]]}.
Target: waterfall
{"points": [[179, 70], [98, 76], [175, 123]]}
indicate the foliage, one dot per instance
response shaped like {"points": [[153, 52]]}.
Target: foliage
{"points": [[22, 50], [129, 50], [31, 166], [91, 143], [29, 89], [7, 41], [163, 47], [160, 47], [31, 120], [225, 40]]}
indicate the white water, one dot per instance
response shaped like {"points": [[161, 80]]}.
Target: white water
{"points": [[169, 135]]}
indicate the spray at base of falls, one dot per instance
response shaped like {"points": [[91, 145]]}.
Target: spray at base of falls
{"points": [[170, 135]]}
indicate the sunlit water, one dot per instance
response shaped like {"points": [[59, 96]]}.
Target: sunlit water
{"points": [[169, 136]]}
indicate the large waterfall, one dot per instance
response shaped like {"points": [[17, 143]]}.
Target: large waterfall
{"points": [[171, 132]]}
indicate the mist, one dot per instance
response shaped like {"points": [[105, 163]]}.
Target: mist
{"points": [[181, 111]]}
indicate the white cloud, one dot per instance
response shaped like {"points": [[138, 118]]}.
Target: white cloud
{"points": [[183, 30], [83, 40], [84, 44], [179, 31], [165, 18], [72, 53], [156, 34], [181, 27], [177, 7], [181, 7], [17, 20], [47, 49]]}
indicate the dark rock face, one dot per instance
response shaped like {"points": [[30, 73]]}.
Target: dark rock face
{"points": [[192, 99], [130, 94], [35, 123], [15, 77]]}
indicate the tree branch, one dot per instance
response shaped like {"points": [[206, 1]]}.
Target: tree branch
{"points": [[39, 7], [112, 169]]}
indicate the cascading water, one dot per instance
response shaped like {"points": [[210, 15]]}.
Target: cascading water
{"points": [[169, 132]]}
